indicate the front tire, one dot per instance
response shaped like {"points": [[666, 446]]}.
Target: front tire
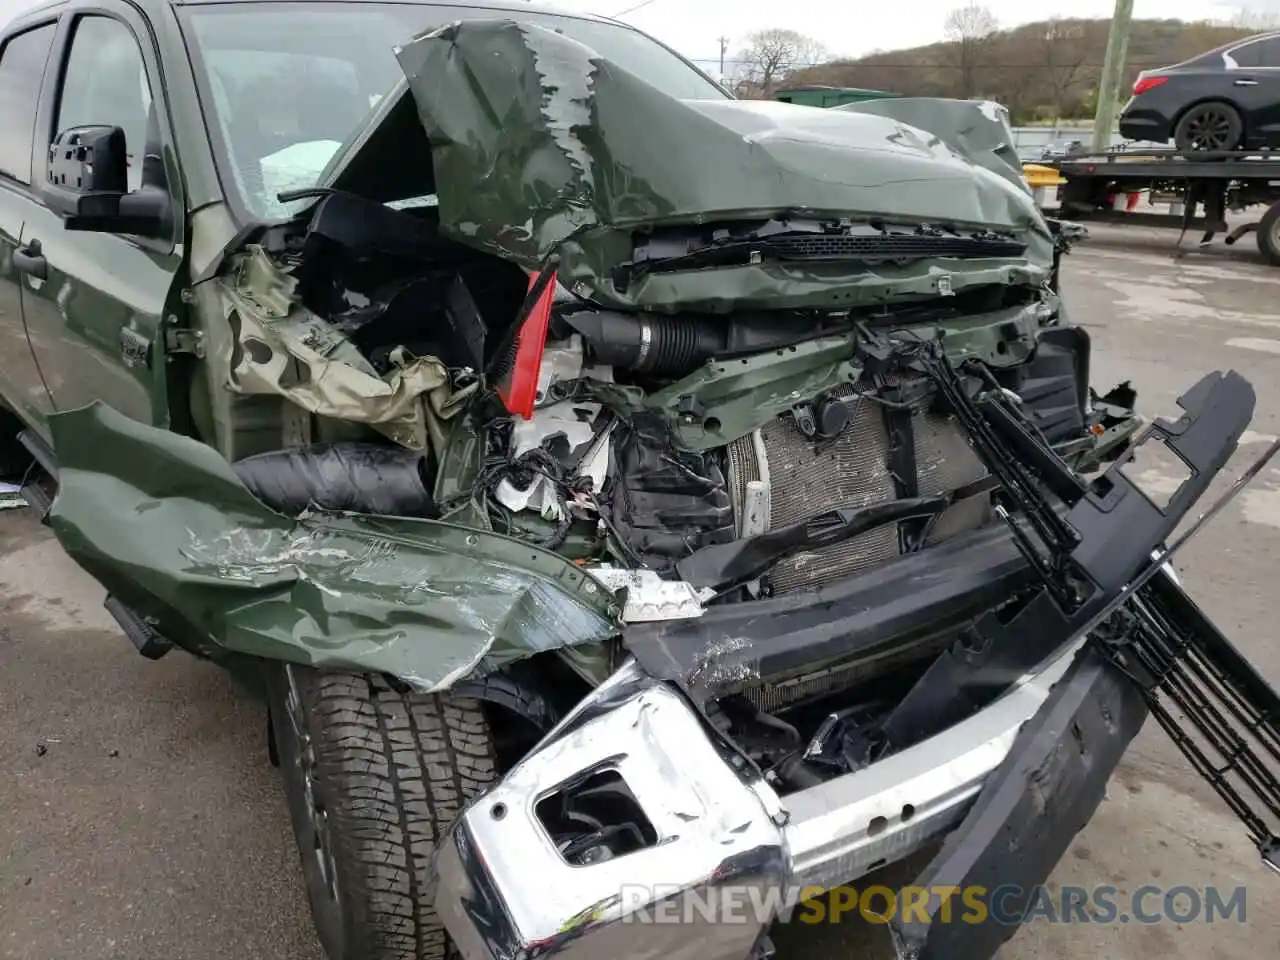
{"points": [[1269, 235], [1209, 126], [373, 777]]}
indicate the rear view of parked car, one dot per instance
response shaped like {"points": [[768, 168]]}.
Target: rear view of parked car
{"points": [[1226, 99]]}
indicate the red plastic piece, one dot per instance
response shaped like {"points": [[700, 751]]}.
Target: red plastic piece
{"points": [[520, 392]]}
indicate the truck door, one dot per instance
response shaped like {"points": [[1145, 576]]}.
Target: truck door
{"points": [[23, 56], [95, 319]]}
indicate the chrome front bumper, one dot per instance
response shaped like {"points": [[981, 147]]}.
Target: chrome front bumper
{"points": [[729, 856]]}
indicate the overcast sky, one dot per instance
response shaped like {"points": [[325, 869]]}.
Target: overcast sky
{"points": [[694, 26]]}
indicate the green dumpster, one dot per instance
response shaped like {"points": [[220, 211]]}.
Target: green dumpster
{"points": [[819, 95]]}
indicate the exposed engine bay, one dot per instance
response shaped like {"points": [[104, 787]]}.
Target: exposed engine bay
{"points": [[745, 456], [663, 506], [686, 461]]}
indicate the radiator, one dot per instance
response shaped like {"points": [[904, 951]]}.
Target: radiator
{"points": [[807, 476]]}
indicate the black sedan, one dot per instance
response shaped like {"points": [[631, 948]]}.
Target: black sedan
{"points": [[1226, 99]]}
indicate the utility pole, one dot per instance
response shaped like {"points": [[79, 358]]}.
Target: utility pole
{"points": [[1112, 72], [724, 47]]}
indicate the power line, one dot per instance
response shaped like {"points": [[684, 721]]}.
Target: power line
{"points": [[620, 13]]}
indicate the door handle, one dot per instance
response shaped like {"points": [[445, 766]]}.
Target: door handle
{"points": [[1245, 83], [30, 260]]}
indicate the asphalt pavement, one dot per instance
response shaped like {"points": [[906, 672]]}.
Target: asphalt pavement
{"points": [[140, 819]]}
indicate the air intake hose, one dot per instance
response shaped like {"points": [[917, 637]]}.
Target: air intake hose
{"points": [[668, 345]]}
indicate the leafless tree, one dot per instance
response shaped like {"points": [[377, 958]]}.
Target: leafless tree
{"points": [[1247, 18], [1064, 49], [772, 54], [1035, 69], [970, 30]]}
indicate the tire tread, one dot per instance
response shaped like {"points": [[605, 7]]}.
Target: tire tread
{"points": [[398, 767]]}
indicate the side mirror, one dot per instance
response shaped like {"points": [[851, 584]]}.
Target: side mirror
{"points": [[88, 186]]}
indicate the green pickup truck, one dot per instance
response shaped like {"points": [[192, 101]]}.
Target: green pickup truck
{"points": [[616, 491]]}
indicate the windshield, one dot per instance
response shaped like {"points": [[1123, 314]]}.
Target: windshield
{"points": [[285, 84]]}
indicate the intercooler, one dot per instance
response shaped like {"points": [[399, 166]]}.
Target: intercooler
{"points": [[805, 476]]}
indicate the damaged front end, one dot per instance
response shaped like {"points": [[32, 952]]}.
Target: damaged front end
{"points": [[769, 421], [682, 385]]}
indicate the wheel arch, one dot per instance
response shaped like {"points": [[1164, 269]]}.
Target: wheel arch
{"points": [[523, 702]]}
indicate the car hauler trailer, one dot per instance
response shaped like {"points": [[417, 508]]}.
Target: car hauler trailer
{"points": [[1202, 185]]}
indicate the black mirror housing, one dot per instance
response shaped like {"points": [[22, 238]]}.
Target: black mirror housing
{"points": [[88, 185]]}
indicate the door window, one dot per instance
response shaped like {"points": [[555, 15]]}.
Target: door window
{"points": [[106, 83], [22, 61], [1268, 52], [1247, 55]]}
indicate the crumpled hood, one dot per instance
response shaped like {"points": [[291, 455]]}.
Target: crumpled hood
{"points": [[978, 130], [540, 145]]}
